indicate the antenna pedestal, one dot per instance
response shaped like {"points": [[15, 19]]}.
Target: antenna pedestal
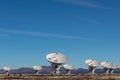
{"points": [[92, 69], [7, 73], [69, 72], [56, 68], [112, 71], [37, 72], [107, 71]]}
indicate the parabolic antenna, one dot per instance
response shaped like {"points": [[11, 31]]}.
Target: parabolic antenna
{"points": [[88, 61], [114, 66], [37, 69], [68, 68], [92, 64], [106, 64], [7, 70], [108, 67], [56, 59]]}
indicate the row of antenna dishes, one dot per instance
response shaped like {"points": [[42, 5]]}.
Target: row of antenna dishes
{"points": [[39, 68], [36, 68], [57, 59], [93, 64]]}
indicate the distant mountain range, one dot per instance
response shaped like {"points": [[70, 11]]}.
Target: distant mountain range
{"points": [[48, 70]]}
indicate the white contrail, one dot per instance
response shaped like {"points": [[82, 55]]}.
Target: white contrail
{"points": [[42, 34], [83, 3], [1, 34], [85, 18]]}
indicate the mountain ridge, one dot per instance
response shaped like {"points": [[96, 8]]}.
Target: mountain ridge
{"points": [[48, 70]]}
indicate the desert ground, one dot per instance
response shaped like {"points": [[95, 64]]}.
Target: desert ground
{"points": [[58, 77]]}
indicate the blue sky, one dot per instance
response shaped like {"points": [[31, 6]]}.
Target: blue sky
{"points": [[80, 29]]}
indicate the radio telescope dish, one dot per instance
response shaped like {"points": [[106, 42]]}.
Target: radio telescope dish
{"points": [[37, 69], [68, 68], [92, 64], [7, 70], [88, 61], [108, 67], [56, 59]]}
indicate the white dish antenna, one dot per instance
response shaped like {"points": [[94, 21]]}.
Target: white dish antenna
{"points": [[37, 69], [106, 64], [56, 59], [114, 66], [68, 68], [7, 70], [92, 64], [88, 61]]}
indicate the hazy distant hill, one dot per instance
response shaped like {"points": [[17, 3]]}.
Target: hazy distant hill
{"points": [[48, 70]]}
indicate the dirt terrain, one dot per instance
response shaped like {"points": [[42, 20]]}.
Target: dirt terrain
{"points": [[58, 77]]}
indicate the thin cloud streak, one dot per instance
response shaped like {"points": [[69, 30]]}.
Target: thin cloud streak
{"points": [[85, 19], [40, 34], [1, 35], [83, 3], [91, 20]]}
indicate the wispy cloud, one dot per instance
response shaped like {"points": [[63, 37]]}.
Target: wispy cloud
{"points": [[85, 19], [91, 20], [84, 3], [4, 35], [1, 34], [40, 34]]}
